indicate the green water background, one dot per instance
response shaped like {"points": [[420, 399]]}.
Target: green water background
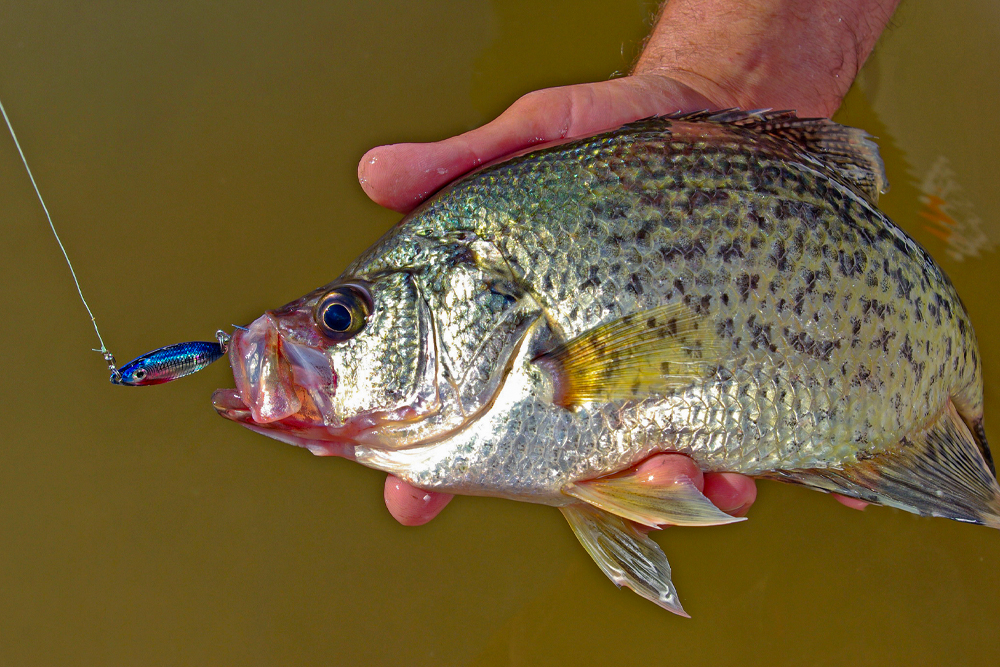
{"points": [[199, 160]]}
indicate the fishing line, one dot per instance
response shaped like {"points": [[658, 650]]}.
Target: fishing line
{"points": [[108, 357]]}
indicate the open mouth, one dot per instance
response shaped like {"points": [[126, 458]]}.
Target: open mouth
{"points": [[287, 389], [291, 430], [283, 390]]}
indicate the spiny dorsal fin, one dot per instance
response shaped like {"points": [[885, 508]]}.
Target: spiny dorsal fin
{"points": [[646, 353], [936, 472], [848, 151]]}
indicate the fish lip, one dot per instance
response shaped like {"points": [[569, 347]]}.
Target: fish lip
{"points": [[229, 404], [281, 372], [291, 427], [262, 375]]}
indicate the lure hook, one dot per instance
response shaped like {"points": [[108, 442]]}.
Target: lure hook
{"points": [[224, 339], [116, 375]]}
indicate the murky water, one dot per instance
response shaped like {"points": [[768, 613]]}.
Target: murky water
{"points": [[200, 160]]}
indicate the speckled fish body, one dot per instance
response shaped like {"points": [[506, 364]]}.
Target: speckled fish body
{"points": [[721, 286]]}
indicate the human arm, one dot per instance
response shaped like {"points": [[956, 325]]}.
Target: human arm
{"points": [[702, 54]]}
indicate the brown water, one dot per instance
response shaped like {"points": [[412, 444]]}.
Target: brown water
{"points": [[200, 161]]}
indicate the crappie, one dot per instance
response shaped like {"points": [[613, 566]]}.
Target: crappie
{"points": [[719, 285]]}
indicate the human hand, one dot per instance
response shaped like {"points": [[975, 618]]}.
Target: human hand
{"points": [[732, 493], [703, 54], [402, 175], [801, 55]]}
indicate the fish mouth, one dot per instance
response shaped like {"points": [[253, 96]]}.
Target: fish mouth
{"points": [[230, 404], [284, 390]]}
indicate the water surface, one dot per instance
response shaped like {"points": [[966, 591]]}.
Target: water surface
{"points": [[200, 161]]}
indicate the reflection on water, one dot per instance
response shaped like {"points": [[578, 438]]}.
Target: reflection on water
{"points": [[950, 214], [199, 160]]}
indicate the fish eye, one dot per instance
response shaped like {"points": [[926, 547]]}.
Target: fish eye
{"points": [[140, 374], [337, 317], [343, 312]]}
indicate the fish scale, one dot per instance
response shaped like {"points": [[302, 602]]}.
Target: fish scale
{"points": [[716, 285], [695, 236]]}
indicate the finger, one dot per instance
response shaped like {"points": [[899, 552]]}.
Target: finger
{"points": [[400, 176], [731, 493], [853, 503], [412, 506], [669, 468]]}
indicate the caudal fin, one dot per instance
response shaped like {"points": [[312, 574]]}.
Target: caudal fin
{"points": [[940, 471]]}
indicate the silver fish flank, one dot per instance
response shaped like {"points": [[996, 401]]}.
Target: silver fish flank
{"points": [[719, 285]]}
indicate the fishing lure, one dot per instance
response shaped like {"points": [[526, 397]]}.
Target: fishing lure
{"points": [[156, 367], [170, 362]]}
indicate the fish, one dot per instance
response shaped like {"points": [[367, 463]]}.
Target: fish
{"points": [[718, 284], [169, 363]]}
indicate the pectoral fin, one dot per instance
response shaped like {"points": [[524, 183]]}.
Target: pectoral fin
{"points": [[628, 557], [650, 352], [632, 497]]}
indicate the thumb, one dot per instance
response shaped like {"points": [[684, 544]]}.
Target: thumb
{"points": [[400, 176]]}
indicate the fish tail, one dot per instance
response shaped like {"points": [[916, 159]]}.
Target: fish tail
{"points": [[944, 470]]}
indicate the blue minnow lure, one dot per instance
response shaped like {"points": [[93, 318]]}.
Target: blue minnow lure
{"points": [[171, 362], [156, 367]]}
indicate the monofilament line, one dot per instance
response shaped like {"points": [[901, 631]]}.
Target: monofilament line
{"points": [[104, 350]]}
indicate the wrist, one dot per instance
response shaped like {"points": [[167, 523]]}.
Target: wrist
{"points": [[782, 54]]}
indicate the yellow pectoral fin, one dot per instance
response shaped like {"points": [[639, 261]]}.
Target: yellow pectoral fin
{"points": [[651, 352], [625, 555], [630, 496]]}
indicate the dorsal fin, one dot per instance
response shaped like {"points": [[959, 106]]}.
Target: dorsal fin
{"points": [[848, 151]]}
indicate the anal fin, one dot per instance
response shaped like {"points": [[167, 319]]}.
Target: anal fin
{"points": [[625, 555], [939, 471], [652, 504]]}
